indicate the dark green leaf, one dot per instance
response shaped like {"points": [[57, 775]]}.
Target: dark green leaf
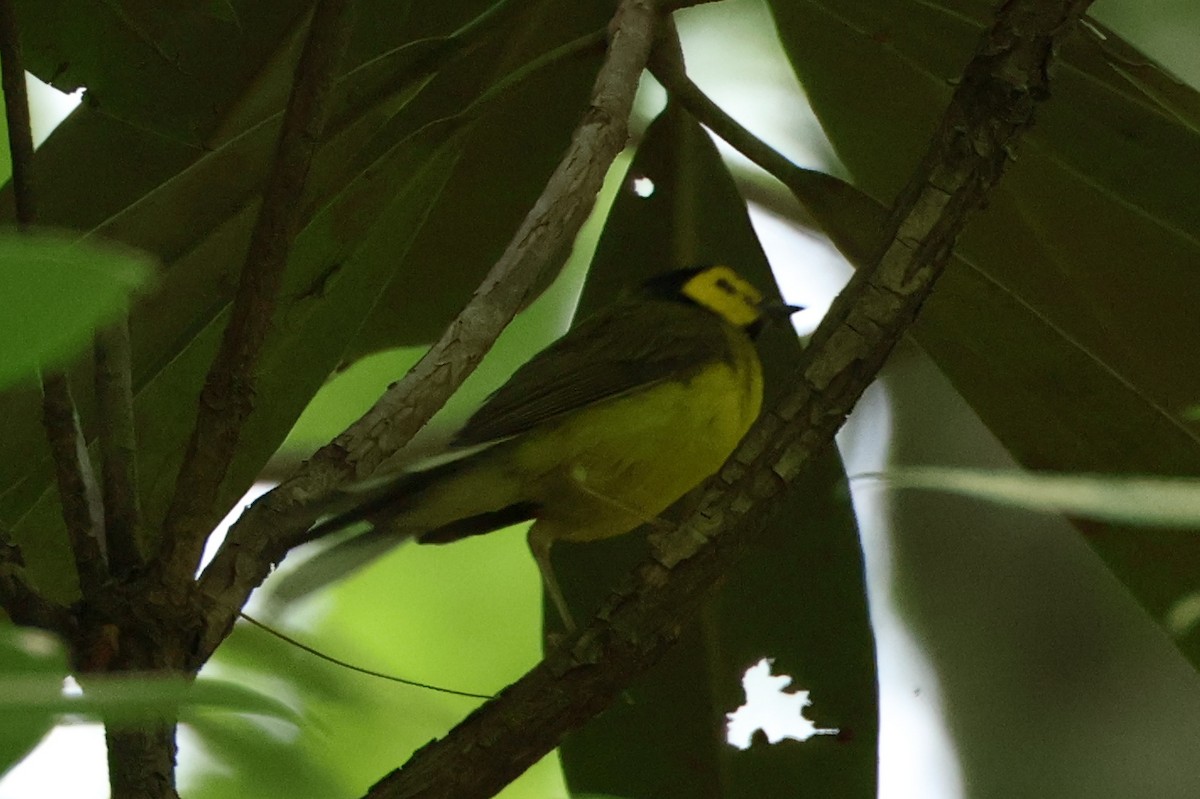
{"points": [[381, 150], [667, 739], [173, 69], [338, 267], [1063, 321], [493, 186]]}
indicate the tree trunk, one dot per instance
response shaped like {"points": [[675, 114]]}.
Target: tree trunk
{"points": [[141, 761]]}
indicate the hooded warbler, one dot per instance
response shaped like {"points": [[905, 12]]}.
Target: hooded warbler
{"points": [[596, 435]]}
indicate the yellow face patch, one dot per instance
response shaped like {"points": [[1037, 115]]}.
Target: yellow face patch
{"points": [[727, 294]]}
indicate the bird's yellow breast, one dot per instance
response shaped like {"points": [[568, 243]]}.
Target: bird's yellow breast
{"points": [[618, 464]]}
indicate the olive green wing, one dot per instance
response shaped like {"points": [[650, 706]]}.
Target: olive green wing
{"points": [[622, 349]]}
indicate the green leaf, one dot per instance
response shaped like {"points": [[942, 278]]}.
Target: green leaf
{"points": [[1143, 501], [58, 292], [493, 186], [1060, 322], [338, 266], [667, 738], [128, 699], [33, 667], [425, 613], [380, 171], [193, 207], [254, 760], [171, 69], [196, 74], [27, 655]]}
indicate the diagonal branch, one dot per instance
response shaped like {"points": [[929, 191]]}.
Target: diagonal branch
{"points": [[227, 398], [991, 108], [277, 520], [77, 490], [118, 447]]}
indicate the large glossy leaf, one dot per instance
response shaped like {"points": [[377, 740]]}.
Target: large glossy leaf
{"points": [[339, 265], [175, 69], [494, 183], [667, 739], [97, 173], [176, 334], [1065, 320], [1033, 642]]}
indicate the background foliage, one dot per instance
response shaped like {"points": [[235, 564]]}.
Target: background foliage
{"points": [[1062, 337]]}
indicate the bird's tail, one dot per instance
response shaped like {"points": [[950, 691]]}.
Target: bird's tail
{"points": [[334, 563], [451, 500], [358, 505], [388, 496]]}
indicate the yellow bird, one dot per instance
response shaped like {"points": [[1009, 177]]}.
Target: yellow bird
{"points": [[596, 435]]}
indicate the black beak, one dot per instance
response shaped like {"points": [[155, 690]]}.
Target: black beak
{"points": [[771, 310], [778, 309]]}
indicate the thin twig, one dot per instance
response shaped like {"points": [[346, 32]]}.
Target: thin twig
{"points": [[851, 219], [77, 490], [228, 394], [277, 520], [16, 109], [118, 447], [991, 108], [380, 675], [21, 600]]}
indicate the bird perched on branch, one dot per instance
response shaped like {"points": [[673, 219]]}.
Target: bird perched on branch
{"points": [[596, 435]]}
